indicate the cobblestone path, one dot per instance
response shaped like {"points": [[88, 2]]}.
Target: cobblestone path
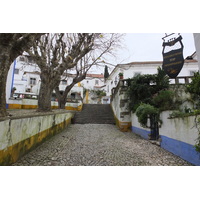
{"points": [[98, 145]]}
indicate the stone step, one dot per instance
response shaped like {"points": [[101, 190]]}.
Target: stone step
{"points": [[94, 114]]}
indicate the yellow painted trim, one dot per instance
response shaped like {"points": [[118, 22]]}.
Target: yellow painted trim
{"points": [[13, 153], [123, 126], [80, 107], [87, 96], [14, 106], [19, 106], [29, 106], [54, 107]]}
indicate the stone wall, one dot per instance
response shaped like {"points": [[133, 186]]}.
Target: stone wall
{"points": [[19, 135], [177, 135], [120, 108], [32, 104]]}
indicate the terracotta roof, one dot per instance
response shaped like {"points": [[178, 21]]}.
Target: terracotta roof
{"points": [[154, 62], [146, 62], [95, 75], [190, 61]]}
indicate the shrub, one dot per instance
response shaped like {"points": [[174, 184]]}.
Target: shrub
{"points": [[194, 86], [142, 88], [145, 111], [164, 100]]}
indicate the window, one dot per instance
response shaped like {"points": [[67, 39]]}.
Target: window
{"points": [[30, 60], [22, 58], [116, 80], [64, 82], [32, 81], [96, 82], [16, 71]]}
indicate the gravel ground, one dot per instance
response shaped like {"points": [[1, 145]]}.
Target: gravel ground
{"points": [[98, 145]]}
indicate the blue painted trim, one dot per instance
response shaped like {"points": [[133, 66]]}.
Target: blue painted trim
{"points": [[184, 150], [143, 133], [13, 76]]}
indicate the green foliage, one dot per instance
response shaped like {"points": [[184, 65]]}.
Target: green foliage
{"points": [[121, 74], [164, 100], [145, 111], [194, 89], [106, 73], [162, 81], [142, 88], [194, 86], [178, 114], [197, 146], [100, 93]]}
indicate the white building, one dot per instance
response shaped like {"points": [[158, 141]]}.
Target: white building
{"points": [[197, 46], [24, 76], [130, 70], [93, 82]]}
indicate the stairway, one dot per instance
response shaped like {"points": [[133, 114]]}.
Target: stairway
{"points": [[94, 114]]}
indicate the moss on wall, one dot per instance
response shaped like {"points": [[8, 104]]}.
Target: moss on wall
{"points": [[12, 153]]}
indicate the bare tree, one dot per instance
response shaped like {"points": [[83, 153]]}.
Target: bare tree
{"points": [[104, 45], [54, 54], [11, 46]]}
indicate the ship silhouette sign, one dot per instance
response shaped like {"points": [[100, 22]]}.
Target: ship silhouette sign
{"points": [[173, 60]]}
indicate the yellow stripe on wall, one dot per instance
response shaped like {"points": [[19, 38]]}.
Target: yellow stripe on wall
{"points": [[19, 106], [14, 152]]}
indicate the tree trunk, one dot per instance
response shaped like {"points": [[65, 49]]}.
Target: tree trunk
{"points": [[4, 68], [61, 103], [45, 94], [62, 99]]}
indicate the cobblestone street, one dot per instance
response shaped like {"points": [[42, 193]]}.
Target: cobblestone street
{"points": [[98, 145]]}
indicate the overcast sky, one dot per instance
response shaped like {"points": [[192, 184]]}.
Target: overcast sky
{"points": [[147, 47]]}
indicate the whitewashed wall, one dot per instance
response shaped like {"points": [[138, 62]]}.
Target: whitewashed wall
{"points": [[177, 135], [197, 45]]}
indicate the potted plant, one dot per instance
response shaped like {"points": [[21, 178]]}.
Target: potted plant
{"points": [[13, 90], [121, 75]]}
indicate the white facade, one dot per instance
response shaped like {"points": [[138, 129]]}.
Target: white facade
{"points": [[197, 45], [93, 82], [24, 75], [132, 69]]}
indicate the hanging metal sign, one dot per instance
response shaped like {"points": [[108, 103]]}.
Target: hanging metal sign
{"points": [[173, 60]]}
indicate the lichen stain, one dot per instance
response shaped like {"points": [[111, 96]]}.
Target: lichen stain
{"points": [[14, 152]]}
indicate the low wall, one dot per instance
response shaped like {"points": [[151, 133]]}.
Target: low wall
{"points": [[177, 135], [136, 128], [121, 113], [32, 104], [19, 136]]}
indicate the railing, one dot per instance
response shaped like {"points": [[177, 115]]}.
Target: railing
{"points": [[181, 80], [121, 83], [173, 81]]}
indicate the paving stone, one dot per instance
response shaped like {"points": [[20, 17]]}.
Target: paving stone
{"points": [[99, 145]]}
